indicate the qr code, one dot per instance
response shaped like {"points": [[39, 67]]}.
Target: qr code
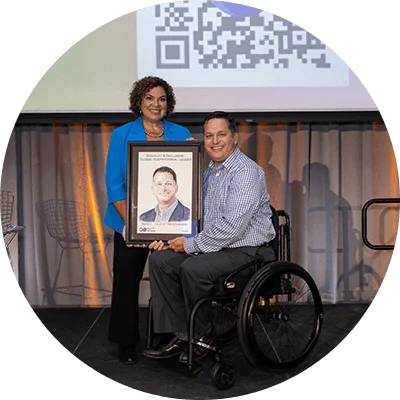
{"points": [[195, 38]]}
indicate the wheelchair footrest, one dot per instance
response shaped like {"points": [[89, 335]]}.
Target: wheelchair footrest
{"points": [[208, 346]]}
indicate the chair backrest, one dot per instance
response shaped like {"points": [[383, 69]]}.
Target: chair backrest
{"points": [[7, 206], [275, 242], [65, 220]]}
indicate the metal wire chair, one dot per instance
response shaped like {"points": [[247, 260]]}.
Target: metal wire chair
{"points": [[9, 230], [67, 222]]}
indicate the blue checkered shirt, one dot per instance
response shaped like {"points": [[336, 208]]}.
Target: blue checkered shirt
{"points": [[236, 207]]}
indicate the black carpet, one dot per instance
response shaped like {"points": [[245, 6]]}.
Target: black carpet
{"points": [[83, 331]]}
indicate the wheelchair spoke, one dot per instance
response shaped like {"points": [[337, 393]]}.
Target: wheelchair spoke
{"points": [[290, 343], [286, 339], [270, 341], [299, 326], [295, 335], [284, 318]]}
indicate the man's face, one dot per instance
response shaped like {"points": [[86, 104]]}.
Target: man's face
{"points": [[218, 140], [164, 188]]}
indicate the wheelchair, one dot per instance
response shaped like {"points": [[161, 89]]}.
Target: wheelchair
{"points": [[274, 309]]}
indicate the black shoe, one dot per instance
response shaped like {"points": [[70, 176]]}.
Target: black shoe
{"points": [[161, 339], [127, 354], [173, 348]]}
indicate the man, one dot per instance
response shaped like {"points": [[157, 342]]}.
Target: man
{"points": [[237, 227], [168, 207]]}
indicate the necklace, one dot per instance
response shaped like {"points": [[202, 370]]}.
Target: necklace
{"points": [[152, 135]]}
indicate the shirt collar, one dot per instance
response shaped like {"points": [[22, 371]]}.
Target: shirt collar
{"points": [[171, 207], [229, 162]]}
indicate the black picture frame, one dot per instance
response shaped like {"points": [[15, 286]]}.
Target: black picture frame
{"points": [[185, 158]]}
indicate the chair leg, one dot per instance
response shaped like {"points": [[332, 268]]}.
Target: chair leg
{"points": [[86, 288], [8, 240], [56, 277], [84, 279], [108, 265]]}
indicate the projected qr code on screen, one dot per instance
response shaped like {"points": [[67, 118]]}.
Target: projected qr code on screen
{"points": [[197, 36]]}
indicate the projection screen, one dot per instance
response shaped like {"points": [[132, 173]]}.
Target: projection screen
{"points": [[213, 59]]}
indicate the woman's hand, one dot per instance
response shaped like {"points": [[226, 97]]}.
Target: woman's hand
{"points": [[131, 245], [124, 236]]}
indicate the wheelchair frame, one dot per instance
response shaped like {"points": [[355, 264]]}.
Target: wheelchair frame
{"points": [[276, 294]]}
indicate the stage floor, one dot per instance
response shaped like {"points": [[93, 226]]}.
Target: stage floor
{"points": [[83, 331]]}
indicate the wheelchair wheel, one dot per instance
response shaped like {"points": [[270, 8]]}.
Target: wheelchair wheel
{"points": [[223, 375], [280, 316]]}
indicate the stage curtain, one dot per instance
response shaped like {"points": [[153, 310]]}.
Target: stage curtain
{"points": [[320, 174]]}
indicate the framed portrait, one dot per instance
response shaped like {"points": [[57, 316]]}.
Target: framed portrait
{"points": [[164, 190]]}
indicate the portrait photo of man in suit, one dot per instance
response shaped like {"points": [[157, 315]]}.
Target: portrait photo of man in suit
{"points": [[168, 208]]}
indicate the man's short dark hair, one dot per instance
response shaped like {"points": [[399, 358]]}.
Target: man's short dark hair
{"points": [[166, 169], [223, 115]]}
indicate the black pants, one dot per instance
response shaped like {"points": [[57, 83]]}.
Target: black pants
{"points": [[179, 280], [128, 266]]}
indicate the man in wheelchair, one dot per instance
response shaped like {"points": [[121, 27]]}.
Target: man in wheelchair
{"points": [[237, 228]]}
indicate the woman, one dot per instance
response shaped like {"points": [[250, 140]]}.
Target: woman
{"points": [[152, 100]]}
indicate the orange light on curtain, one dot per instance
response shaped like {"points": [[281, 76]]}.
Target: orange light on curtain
{"points": [[97, 265]]}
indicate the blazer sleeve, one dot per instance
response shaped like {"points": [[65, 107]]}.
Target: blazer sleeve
{"points": [[115, 176], [178, 132], [186, 133]]}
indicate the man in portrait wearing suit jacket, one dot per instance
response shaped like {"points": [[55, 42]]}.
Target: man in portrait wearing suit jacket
{"points": [[168, 208]]}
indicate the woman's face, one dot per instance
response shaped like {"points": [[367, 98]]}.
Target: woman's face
{"points": [[154, 104]]}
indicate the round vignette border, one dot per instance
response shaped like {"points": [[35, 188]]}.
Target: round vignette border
{"points": [[235, 9]]}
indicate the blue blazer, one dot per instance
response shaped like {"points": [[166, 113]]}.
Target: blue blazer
{"points": [[181, 213], [116, 165]]}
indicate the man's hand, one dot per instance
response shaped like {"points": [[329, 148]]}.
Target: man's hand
{"points": [[158, 245], [176, 244]]}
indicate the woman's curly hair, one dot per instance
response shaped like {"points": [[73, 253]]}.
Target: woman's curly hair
{"points": [[142, 86]]}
